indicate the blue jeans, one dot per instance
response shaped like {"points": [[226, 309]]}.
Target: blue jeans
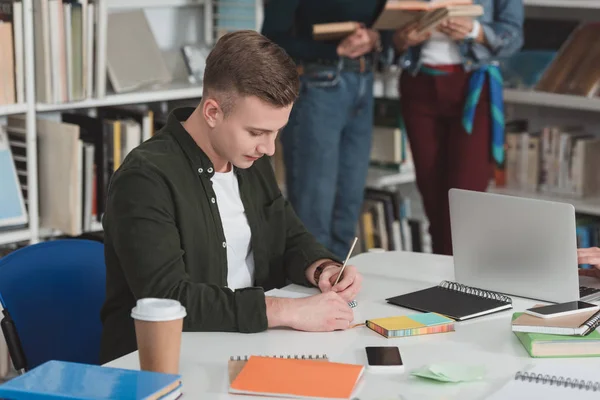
{"points": [[326, 150]]}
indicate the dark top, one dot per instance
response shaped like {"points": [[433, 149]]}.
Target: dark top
{"points": [[289, 23], [164, 238]]}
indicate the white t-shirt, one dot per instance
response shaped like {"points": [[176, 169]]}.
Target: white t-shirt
{"points": [[440, 49], [240, 259]]}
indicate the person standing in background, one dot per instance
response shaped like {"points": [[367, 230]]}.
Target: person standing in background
{"points": [[452, 104], [327, 142]]}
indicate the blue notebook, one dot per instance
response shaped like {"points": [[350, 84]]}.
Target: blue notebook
{"points": [[66, 380]]}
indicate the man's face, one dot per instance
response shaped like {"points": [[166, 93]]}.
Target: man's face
{"points": [[249, 130]]}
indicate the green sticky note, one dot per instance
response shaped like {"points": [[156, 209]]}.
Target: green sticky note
{"points": [[451, 372]]}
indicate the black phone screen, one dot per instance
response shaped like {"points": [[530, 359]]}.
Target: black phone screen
{"points": [[382, 355]]}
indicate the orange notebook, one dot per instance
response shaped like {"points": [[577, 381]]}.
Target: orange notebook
{"points": [[304, 379]]}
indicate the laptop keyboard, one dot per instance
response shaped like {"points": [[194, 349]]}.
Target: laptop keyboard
{"points": [[585, 291]]}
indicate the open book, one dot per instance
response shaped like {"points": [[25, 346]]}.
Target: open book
{"points": [[399, 14]]}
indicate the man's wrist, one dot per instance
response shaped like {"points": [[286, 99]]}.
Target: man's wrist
{"points": [[278, 312], [321, 267]]}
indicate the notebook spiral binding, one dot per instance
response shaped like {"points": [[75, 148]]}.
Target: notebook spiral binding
{"points": [[295, 357], [559, 381], [475, 291], [593, 322]]}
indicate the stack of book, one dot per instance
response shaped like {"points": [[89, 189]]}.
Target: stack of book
{"points": [[562, 336]]}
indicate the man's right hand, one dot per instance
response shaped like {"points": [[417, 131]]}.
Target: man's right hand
{"points": [[323, 312], [589, 256], [408, 37]]}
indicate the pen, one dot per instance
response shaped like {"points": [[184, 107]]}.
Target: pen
{"points": [[344, 265]]}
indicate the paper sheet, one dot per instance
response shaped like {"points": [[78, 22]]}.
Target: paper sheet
{"points": [[451, 372]]}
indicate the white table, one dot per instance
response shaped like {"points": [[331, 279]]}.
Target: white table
{"points": [[485, 341]]}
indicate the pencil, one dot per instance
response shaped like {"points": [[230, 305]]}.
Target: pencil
{"points": [[347, 257]]}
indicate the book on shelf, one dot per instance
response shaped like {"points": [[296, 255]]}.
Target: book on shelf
{"points": [[76, 157], [64, 41], [574, 69], [129, 37], [12, 205], [12, 66], [558, 160]]}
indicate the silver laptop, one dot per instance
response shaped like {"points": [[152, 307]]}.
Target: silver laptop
{"points": [[516, 246]]}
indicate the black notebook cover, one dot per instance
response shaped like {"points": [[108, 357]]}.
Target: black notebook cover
{"points": [[454, 300]]}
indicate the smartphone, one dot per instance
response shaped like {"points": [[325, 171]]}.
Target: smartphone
{"points": [[384, 359], [561, 309]]}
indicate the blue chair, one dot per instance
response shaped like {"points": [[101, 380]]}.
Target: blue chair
{"points": [[54, 291]]}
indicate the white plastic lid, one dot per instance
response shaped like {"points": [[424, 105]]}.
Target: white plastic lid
{"points": [[154, 310]]}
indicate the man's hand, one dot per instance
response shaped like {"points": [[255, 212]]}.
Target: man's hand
{"points": [[348, 286], [361, 42], [320, 313], [457, 28], [589, 256]]}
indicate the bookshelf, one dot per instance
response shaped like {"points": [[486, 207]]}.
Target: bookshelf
{"points": [[380, 178], [11, 109], [588, 205], [536, 98], [202, 21], [172, 91], [14, 236], [595, 4], [125, 4]]}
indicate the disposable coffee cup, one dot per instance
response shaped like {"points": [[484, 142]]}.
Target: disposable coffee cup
{"points": [[158, 327]]}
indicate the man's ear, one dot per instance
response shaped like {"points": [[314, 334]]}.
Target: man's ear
{"points": [[212, 112]]}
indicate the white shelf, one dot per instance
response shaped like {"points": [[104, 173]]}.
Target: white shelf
{"points": [[9, 109], [563, 3], [380, 177], [589, 205], [121, 4], [532, 97], [172, 91], [14, 236]]}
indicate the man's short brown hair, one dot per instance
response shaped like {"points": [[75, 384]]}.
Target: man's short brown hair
{"points": [[246, 63]]}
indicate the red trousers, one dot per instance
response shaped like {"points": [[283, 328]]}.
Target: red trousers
{"points": [[445, 155]]}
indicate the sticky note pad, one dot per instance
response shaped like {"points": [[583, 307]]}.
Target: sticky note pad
{"points": [[411, 325]]}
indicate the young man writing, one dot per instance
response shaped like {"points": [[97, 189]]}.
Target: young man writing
{"points": [[195, 214]]}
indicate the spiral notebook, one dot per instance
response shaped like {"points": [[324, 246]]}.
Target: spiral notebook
{"points": [[551, 382], [237, 363], [296, 378], [580, 324], [454, 300]]}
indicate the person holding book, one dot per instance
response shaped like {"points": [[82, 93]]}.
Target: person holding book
{"points": [[327, 142], [195, 213], [589, 256], [452, 104]]}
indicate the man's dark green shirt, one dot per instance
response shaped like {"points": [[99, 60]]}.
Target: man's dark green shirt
{"points": [[164, 238]]}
